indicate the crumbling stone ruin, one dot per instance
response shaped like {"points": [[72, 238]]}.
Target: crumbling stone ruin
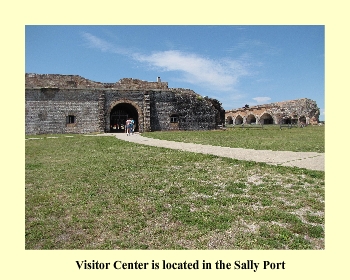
{"points": [[300, 111], [73, 104]]}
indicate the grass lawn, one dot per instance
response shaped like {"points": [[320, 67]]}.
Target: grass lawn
{"points": [[271, 137], [102, 193]]}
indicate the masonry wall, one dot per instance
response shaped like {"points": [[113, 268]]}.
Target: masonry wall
{"points": [[52, 99], [47, 111], [188, 107], [162, 106], [191, 111]]}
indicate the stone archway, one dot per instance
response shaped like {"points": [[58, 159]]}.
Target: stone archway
{"points": [[266, 118], [238, 120], [119, 112], [251, 119]]}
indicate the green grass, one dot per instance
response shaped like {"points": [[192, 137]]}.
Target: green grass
{"points": [[271, 137], [103, 193]]}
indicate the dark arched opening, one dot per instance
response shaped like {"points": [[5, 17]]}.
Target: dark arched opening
{"points": [[239, 120], [119, 114], [251, 119], [286, 120], [266, 119]]}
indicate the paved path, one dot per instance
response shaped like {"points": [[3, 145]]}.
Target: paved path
{"points": [[308, 160]]}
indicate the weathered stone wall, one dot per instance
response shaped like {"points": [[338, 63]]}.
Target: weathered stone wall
{"points": [[188, 107], [293, 111], [162, 106], [52, 99], [192, 111], [75, 81], [59, 81], [128, 83], [47, 111]]}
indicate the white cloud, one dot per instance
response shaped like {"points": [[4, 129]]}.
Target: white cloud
{"points": [[102, 45], [261, 100], [221, 75], [97, 43], [215, 74]]}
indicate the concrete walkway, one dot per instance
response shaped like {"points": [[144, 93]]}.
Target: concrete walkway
{"points": [[308, 160]]}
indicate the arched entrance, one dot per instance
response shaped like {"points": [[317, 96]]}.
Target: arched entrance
{"points": [[266, 118], [119, 114], [238, 120], [251, 119]]}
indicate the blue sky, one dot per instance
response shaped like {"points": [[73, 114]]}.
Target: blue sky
{"points": [[237, 65]]}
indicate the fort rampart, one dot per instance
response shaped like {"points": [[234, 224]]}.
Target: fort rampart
{"points": [[73, 104]]}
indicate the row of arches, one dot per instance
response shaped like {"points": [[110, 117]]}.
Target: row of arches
{"points": [[265, 118]]}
